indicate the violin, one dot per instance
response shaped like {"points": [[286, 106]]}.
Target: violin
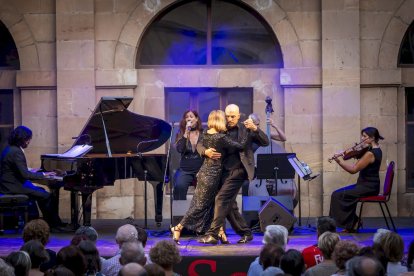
{"points": [[356, 152]]}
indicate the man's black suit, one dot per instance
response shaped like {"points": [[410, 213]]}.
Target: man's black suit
{"points": [[15, 177], [238, 166]]}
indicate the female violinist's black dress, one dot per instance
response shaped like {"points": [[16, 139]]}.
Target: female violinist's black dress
{"points": [[344, 201], [200, 213]]}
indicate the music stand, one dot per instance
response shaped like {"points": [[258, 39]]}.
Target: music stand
{"points": [[274, 166], [303, 171]]}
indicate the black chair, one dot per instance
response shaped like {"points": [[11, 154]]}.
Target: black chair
{"points": [[15, 206]]}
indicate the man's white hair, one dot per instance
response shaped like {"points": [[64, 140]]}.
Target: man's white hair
{"points": [[379, 235], [232, 107], [276, 234], [126, 233]]}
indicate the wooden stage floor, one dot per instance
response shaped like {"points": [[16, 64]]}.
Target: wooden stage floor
{"points": [[192, 250]]}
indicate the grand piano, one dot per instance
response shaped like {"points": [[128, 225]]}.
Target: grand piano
{"points": [[112, 145]]}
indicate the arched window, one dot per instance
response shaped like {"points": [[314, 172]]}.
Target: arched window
{"points": [[9, 58], [209, 32], [406, 54]]}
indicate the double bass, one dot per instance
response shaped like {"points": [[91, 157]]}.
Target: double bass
{"points": [[269, 187]]}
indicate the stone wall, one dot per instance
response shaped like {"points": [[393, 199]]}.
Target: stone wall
{"points": [[340, 75]]}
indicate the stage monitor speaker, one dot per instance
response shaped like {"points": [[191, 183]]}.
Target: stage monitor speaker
{"points": [[252, 204], [274, 212]]}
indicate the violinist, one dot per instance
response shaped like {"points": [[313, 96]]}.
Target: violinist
{"points": [[344, 201]]}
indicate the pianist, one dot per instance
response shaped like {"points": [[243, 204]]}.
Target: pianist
{"points": [[15, 176]]}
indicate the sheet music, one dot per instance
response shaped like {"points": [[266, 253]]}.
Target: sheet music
{"points": [[301, 168], [75, 151]]}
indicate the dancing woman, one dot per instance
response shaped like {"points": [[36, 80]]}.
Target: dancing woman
{"points": [[200, 213], [344, 201]]}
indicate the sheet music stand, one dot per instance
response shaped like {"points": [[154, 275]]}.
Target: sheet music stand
{"points": [[304, 172], [274, 166]]}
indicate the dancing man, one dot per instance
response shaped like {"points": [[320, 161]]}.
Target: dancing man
{"points": [[238, 165]]}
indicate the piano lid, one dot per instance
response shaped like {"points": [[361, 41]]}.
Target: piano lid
{"points": [[127, 131]]}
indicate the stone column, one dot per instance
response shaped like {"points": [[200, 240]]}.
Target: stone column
{"points": [[340, 88], [75, 55], [75, 69]]}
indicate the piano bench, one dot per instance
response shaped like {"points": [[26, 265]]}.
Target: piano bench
{"points": [[15, 206]]}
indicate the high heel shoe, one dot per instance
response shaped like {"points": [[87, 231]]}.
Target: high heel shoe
{"points": [[223, 238], [174, 230]]}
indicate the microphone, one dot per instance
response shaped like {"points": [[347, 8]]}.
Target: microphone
{"points": [[188, 126]]}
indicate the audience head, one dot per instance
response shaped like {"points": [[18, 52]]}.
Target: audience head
{"points": [[393, 246], [60, 270], [126, 233], [72, 257], [132, 269], [270, 255], [410, 256], [364, 266], [327, 242], [142, 236], [132, 252], [36, 229], [344, 250], [20, 137], [6, 269], [292, 262], [93, 261], [376, 239], [20, 261], [375, 252], [325, 224], [276, 234], [154, 270], [37, 252], [87, 233], [166, 254]]}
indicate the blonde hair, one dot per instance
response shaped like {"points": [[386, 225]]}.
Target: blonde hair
{"points": [[217, 120], [327, 242]]}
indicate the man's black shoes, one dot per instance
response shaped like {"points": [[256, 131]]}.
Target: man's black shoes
{"points": [[245, 239], [208, 240]]}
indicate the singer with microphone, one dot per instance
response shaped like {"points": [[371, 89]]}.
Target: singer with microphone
{"points": [[185, 143]]}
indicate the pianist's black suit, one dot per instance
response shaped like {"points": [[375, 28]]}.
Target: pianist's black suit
{"points": [[15, 179]]}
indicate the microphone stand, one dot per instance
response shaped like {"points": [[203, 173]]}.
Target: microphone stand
{"points": [[139, 154], [172, 184]]}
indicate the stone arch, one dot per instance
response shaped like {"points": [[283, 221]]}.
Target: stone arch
{"points": [[394, 34], [277, 18], [22, 36], [142, 15]]}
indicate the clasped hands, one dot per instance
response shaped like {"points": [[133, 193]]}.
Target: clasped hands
{"points": [[250, 125]]}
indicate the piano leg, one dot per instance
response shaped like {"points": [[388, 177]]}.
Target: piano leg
{"points": [[87, 208], [74, 209], [158, 200]]}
